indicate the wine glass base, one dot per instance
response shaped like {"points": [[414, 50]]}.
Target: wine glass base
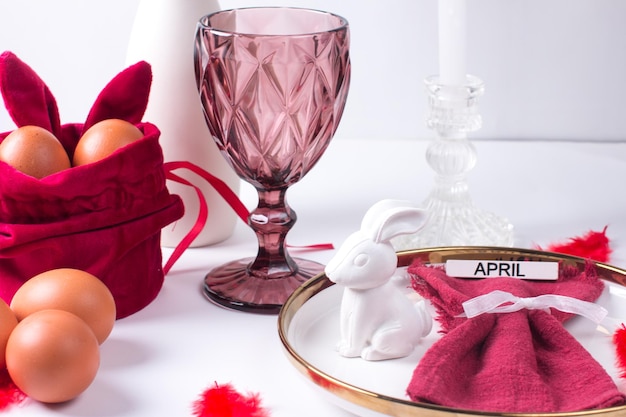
{"points": [[233, 286]]}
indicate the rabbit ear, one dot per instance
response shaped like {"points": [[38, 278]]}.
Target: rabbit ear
{"points": [[27, 98], [373, 214], [396, 221], [124, 97]]}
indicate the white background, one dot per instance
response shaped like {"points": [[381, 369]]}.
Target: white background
{"points": [[553, 69]]}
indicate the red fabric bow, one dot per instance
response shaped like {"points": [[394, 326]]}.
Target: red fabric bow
{"points": [[523, 361]]}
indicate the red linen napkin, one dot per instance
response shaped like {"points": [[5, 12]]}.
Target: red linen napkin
{"points": [[523, 361]]}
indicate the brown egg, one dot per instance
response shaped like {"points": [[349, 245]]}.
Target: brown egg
{"points": [[72, 290], [8, 321], [52, 356], [104, 138], [34, 151]]}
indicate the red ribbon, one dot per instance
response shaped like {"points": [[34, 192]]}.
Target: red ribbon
{"points": [[203, 213], [316, 246]]}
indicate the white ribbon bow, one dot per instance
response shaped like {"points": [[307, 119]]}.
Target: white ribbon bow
{"points": [[504, 302]]}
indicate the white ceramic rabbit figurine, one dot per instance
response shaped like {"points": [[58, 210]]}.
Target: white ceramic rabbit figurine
{"points": [[377, 319]]}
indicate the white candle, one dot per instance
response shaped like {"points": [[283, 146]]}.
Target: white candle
{"points": [[452, 33]]}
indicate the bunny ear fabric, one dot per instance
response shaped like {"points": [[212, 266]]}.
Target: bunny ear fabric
{"points": [[27, 98], [124, 97], [29, 101]]}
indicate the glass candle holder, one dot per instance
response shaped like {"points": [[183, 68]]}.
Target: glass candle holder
{"points": [[453, 220]]}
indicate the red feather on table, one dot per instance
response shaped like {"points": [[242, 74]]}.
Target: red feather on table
{"points": [[593, 245], [226, 401], [596, 246], [619, 340], [9, 393]]}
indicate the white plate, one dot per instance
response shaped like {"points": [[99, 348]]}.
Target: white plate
{"points": [[309, 327]]}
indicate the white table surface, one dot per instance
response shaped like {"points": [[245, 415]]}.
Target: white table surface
{"points": [[157, 361]]}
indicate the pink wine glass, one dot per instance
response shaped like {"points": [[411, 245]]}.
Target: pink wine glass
{"points": [[273, 84]]}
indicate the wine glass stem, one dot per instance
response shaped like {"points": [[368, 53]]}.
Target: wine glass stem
{"points": [[271, 221]]}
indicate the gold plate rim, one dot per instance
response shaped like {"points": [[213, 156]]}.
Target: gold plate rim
{"points": [[400, 407]]}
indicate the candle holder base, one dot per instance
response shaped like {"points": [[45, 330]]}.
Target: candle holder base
{"points": [[453, 220], [457, 223]]}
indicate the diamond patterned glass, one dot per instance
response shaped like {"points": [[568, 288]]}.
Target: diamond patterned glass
{"points": [[273, 83]]}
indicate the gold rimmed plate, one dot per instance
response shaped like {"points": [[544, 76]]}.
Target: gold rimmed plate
{"points": [[308, 326]]}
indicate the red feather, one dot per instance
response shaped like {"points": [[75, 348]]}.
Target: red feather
{"points": [[225, 401], [619, 340], [9, 393], [593, 245]]}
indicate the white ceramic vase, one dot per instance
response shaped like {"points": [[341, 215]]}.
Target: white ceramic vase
{"points": [[163, 35]]}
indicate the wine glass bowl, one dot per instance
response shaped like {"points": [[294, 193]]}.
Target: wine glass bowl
{"points": [[273, 83]]}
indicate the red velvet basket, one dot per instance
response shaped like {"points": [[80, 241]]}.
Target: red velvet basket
{"points": [[105, 217]]}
